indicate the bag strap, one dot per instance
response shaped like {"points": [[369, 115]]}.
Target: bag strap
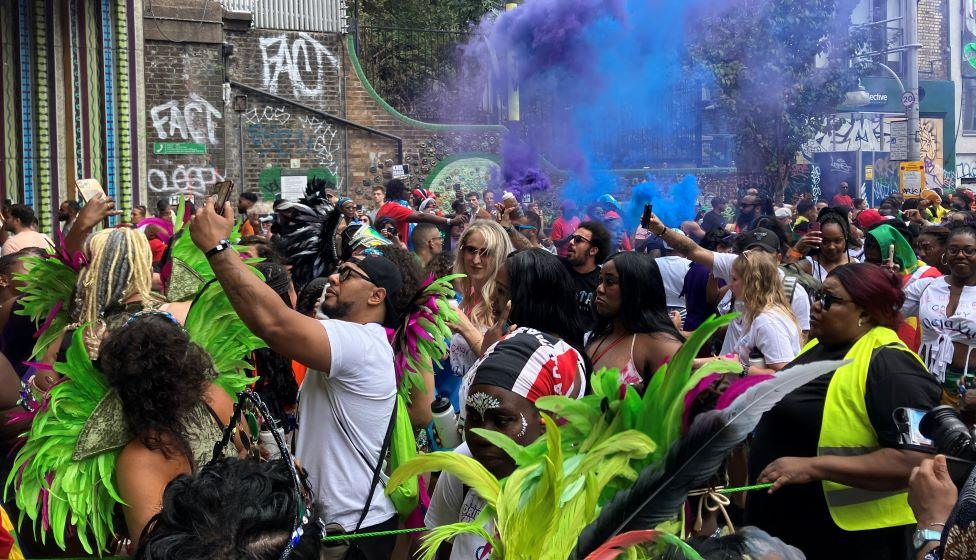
{"points": [[378, 468], [789, 286]]}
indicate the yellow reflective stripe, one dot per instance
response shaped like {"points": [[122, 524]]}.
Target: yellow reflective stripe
{"points": [[854, 496], [847, 451]]}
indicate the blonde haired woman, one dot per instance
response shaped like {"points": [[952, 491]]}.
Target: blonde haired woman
{"points": [[769, 327], [482, 249]]}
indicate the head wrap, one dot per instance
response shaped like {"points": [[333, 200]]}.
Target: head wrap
{"points": [[342, 201], [530, 363], [427, 203], [932, 196], [887, 236]]}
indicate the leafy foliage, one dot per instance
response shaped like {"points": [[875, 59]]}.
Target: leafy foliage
{"points": [[764, 59], [409, 51]]}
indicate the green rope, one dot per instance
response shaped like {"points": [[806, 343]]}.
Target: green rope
{"points": [[351, 536], [744, 488]]}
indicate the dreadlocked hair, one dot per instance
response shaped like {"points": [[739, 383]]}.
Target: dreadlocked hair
{"points": [[119, 268]]}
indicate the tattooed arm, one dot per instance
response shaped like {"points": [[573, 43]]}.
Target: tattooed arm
{"points": [[681, 244], [285, 330]]}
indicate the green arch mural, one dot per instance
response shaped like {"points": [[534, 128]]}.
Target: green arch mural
{"points": [[472, 170]]}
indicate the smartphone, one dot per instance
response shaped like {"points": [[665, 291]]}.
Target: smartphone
{"points": [[646, 216], [89, 189], [221, 192], [815, 227]]}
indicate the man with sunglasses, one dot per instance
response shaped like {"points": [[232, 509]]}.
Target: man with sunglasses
{"points": [[589, 246], [349, 393]]}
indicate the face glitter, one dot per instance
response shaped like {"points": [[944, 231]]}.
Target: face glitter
{"points": [[525, 426], [482, 402]]}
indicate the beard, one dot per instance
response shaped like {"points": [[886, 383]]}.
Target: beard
{"points": [[63, 217], [336, 310], [743, 220]]}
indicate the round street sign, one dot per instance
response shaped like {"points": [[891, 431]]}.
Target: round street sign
{"points": [[907, 99]]}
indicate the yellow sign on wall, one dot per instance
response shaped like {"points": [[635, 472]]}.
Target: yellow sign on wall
{"points": [[911, 178]]}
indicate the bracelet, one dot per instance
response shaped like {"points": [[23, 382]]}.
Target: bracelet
{"points": [[934, 525], [796, 254], [220, 248], [663, 231]]}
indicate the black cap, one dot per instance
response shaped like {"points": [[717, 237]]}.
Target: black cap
{"points": [[763, 238], [382, 272]]}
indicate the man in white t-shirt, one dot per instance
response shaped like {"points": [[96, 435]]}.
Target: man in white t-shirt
{"points": [[721, 266], [349, 392]]}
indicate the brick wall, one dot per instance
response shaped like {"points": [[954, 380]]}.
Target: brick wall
{"points": [[183, 84], [933, 34], [270, 134]]}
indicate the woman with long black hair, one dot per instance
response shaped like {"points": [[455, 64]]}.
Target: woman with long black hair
{"points": [[824, 250], [633, 332], [532, 288]]}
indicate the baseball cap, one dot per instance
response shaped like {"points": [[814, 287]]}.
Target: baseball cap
{"points": [[762, 238], [783, 213], [384, 274]]}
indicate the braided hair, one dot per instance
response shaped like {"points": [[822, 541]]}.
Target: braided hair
{"points": [[119, 268]]}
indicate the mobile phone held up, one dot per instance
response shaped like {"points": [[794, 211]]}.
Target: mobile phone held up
{"points": [[646, 216], [221, 192]]}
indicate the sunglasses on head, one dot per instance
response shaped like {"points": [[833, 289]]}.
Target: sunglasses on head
{"points": [[827, 299]]}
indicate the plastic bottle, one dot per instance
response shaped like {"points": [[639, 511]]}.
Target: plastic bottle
{"points": [[268, 444], [445, 423]]}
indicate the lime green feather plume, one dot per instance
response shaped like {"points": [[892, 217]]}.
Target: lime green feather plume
{"points": [[49, 284], [52, 488]]}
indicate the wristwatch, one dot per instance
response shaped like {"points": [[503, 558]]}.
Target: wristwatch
{"points": [[923, 536], [222, 246]]}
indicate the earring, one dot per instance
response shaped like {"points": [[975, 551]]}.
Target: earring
{"points": [[860, 321], [944, 260]]}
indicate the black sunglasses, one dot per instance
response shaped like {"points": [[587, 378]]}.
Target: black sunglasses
{"points": [[827, 299], [346, 272], [578, 239]]}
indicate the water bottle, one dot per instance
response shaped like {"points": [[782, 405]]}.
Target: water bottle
{"points": [[445, 423], [756, 359], [268, 445]]}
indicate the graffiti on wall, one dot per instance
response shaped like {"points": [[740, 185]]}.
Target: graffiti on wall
{"points": [[196, 120], [273, 132], [183, 179], [303, 64]]}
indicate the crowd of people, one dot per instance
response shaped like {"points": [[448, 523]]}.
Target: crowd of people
{"points": [[370, 333]]}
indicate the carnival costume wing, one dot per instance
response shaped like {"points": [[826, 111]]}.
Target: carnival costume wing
{"points": [[49, 284], [213, 324], [308, 229], [64, 475]]}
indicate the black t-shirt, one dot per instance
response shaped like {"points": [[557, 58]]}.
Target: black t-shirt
{"points": [[585, 287], [798, 514]]}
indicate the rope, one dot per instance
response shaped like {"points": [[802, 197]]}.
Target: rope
{"points": [[351, 536]]}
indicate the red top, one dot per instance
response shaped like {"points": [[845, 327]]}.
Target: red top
{"points": [[158, 248], [562, 229], [843, 200], [399, 213]]}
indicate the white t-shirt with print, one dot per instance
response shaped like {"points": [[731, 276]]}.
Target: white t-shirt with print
{"points": [[360, 390], [673, 270], [451, 503], [772, 333], [722, 269]]}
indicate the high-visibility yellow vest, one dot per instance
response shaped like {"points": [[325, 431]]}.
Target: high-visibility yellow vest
{"points": [[847, 431]]}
